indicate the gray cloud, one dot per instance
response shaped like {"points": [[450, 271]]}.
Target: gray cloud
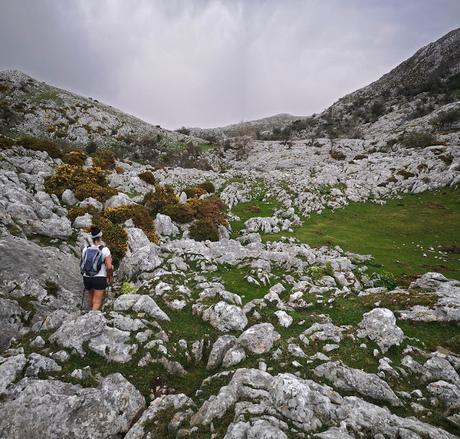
{"points": [[212, 62]]}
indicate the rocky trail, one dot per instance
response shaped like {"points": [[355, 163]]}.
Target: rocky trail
{"points": [[223, 322]]}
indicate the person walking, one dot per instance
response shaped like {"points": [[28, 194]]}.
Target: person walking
{"points": [[96, 268]]}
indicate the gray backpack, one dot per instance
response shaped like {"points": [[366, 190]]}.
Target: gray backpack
{"points": [[92, 261]]}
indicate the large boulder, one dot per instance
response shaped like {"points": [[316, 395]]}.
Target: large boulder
{"points": [[53, 409], [73, 333], [10, 370], [380, 326], [11, 315], [259, 338], [118, 201], [225, 317], [348, 379], [28, 267], [139, 303], [165, 226]]}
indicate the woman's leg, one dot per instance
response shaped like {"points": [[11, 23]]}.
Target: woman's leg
{"points": [[98, 298], [91, 298]]}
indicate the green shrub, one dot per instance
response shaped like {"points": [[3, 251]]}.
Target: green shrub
{"points": [[91, 147], [38, 144], [180, 213], [140, 216], [417, 139], [74, 157], [104, 158], [158, 201], [6, 142], [212, 209], [208, 186], [101, 193], [76, 211], [194, 191], [148, 177], [84, 183], [447, 118], [114, 236], [202, 230], [385, 279]]}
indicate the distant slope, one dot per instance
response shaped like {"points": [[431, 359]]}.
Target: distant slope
{"points": [[28, 106], [411, 96], [252, 127]]}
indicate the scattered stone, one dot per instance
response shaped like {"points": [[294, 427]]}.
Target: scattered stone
{"points": [[379, 325]]}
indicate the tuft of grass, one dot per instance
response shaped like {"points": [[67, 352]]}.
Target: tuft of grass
{"points": [[251, 209]]}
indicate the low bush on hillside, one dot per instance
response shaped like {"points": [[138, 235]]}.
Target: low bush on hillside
{"points": [[148, 177], [53, 149], [76, 211], [194, 191], [446, 119], [104, 159], [140, 216], [114, 236], [180, 213], [161, 199], [202, 230], [417, 139], [84, 183], [74, 157], [208, 186]]}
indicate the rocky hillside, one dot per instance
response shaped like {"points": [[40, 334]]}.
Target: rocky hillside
{"points": [[224, 321], [249, 128], [30, 107]]}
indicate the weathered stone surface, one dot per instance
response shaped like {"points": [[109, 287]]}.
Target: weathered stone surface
{"points": [[10, 370], [155, 412], [142, 261], [284, 319], [58, 410], [39, 363], [139, 303], [73, 333], [114, 345], [233, 356], [259, 338], [225, 317], [69, 198], [118, 201], [348, 379], [165, 226], [380, 326], [219, 349], [10, 320]]}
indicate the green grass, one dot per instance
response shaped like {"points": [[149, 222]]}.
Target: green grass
{"points": [[392, 232], [251, 209]]}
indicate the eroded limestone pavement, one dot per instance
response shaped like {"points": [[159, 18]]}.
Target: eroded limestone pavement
{"points": [[180, 349]]}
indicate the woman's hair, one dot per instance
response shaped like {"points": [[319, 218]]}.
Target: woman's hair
{"points": [[95, 232]]}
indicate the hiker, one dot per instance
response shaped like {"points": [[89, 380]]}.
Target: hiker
{"points": [[96, 268]]}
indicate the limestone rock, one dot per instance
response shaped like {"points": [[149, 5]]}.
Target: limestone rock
{"points": [[10, 370], [56, 409], [165, 226], [380, 326], [225, 317], [118, 201], [348, 379], [219, 349], [73, 333], [259, 338]]}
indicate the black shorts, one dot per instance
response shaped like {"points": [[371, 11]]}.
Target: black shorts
{"points": [[95, 282]]}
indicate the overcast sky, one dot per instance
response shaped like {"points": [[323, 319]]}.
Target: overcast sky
{"points": [[214, 62]]}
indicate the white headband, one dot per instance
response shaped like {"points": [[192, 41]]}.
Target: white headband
{"points": [[96, 236]]}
